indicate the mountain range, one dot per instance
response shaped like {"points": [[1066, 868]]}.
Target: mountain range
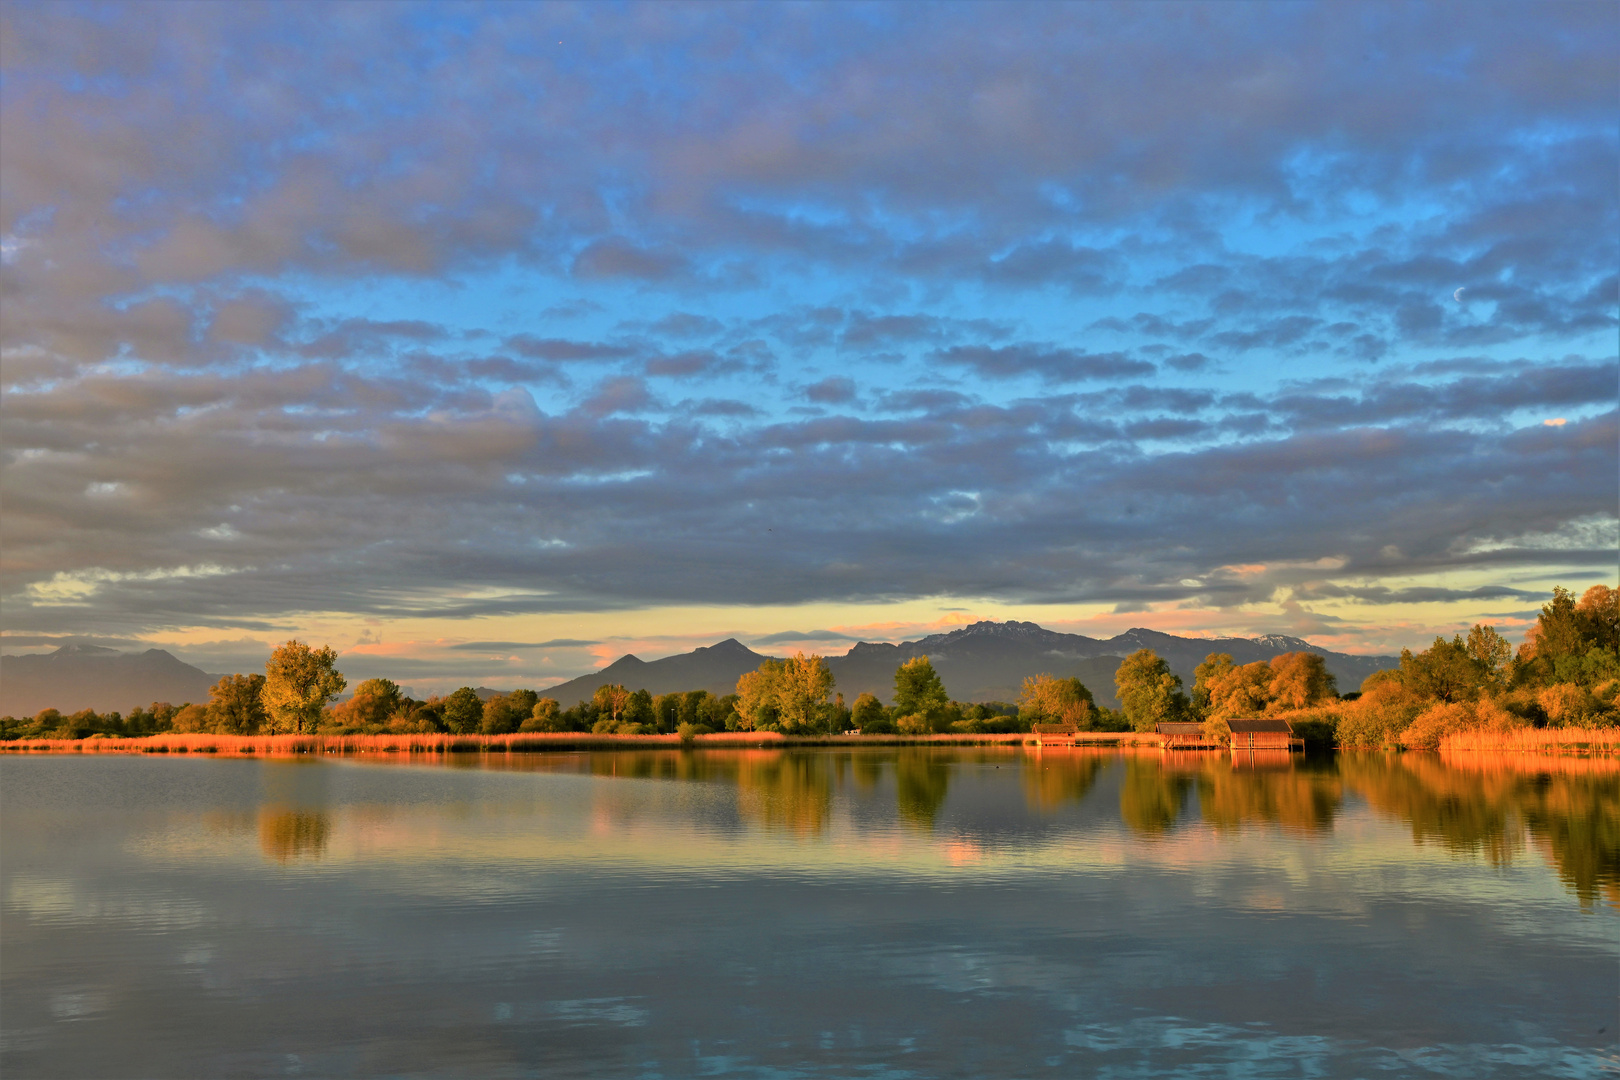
{"points": [[78, 677], [987, 661]]}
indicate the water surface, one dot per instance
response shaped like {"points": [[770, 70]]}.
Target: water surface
{"points": [[870, 912]]}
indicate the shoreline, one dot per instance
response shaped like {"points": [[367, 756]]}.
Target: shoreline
{"points": [[1543, 741]]}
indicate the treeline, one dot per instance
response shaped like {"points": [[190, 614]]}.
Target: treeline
{"points": [[1566, 674]]}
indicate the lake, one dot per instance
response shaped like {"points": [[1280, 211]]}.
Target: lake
{"points": [[879, 912]]}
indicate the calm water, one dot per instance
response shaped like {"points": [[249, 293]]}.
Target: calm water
{"points": [[825, 913]]}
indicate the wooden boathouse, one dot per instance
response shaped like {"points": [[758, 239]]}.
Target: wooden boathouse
{"points": [[1266, 733], [1055, 734], [1181, 735]]}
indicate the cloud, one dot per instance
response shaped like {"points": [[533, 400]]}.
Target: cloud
{"points": [[510, 646], [374, 326], [833, 390], [1055, 365]]}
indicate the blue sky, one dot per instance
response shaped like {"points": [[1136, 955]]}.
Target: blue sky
{"points": [[579, 330]]}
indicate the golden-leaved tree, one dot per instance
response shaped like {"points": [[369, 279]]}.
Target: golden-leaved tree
{"points": [[1046, 699], [298, 682]]}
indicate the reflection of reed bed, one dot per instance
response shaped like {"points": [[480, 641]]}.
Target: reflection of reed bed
{"points": [[1564, 740], [1531, 763]]}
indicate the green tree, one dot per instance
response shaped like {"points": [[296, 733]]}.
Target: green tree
{"points": [[639, 710], [1149, 690], [503, 713], [236, 705], [667, 710], [545, 716], [1490, 651], [1444, 671], [463, 712], [917, 688], [610, 699], [298, 682]]}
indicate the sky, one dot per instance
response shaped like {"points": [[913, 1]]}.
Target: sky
{"points": [[489, 343]]}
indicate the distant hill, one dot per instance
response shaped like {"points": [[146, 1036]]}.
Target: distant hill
{"points": [[987, 661], [78, 677], [715, 668]]}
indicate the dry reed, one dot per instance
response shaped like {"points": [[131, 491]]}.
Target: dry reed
{"points": [[1564, 740], [287, 745]]}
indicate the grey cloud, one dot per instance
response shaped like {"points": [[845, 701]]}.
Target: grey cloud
{"points": [[808, 635], [561, 349], [834, 390], [504, 646], [1050, 363], [1380, 594], [617, 257], [187, 451]]}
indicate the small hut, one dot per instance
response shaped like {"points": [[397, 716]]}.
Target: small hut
{"points": [[1055, 734], [1181, 735], [1268, 733]]}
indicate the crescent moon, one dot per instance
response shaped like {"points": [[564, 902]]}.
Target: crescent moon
{"points": [[1457, 296]]}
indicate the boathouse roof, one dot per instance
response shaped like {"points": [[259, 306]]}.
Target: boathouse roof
{"points": [[1264, 724]]}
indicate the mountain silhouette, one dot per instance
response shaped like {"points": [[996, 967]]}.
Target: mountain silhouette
{"points": [[715, 668], [987, 661], [78, 677]]}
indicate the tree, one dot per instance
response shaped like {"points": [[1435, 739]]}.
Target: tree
{"points": [[757, 697], [1444, 671], [1241, 691], [546, 716], [298, 682], [611, 698], [1490, 651], [463, 711], [236, 705], [918, 689], [802, 687], [1045, 699], [1299, 680], [639, 709], [373, 703], [504, 712], [667, 710], [1149, 690], [1215, 665]]}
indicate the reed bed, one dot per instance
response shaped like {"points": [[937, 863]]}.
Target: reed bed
{"points": [[1565, 740], [528, 742]]}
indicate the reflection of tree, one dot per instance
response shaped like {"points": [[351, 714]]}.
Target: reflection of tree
{"points": [[786, 789], [285, 834], [866, 767], [1150, 799], [1301, 798], [1475, 802], [921, 778], [1460, 811], [1060, 776], [1577, 818]]}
